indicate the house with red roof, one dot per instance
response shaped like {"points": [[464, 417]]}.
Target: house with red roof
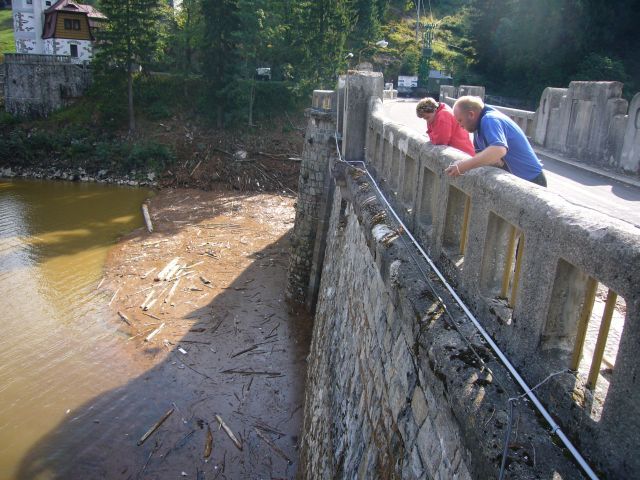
{"points": [[62, 27]]}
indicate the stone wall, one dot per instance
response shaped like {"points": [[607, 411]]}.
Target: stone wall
{"points": [[394, 387], [36, 85], [314, 187]]}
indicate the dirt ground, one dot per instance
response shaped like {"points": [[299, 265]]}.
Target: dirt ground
{"points": [[224, 352]]}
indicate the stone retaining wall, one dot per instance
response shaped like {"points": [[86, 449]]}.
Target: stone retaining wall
{"points": [[36, 85]]}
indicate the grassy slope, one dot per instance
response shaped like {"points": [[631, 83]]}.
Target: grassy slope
{"points": [[7, 43]]}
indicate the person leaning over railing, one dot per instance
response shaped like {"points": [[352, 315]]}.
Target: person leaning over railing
{"points": [[499, 141], [442, 127]]}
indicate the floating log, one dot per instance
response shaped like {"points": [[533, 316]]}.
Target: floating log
{"points": [[154, 333], [273, 446], [208, 447], [162, 274], [147, 217], [229, 433], [172, 291], [155, 426], [124, 318]]}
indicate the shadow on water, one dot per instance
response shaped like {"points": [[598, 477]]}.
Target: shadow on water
{"points": [[245, 361]]}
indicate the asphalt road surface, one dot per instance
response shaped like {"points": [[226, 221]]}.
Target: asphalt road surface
{"points": [[577, 186]]}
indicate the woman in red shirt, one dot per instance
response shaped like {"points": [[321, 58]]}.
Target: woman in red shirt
{"points": [[442, 127]]}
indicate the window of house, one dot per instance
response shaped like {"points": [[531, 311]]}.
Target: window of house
{"points": [[48, 4], [74, 50], [70, 24], [29, 2]]}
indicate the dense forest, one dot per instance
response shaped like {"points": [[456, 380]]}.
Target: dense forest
{"points": [[513, 47]]}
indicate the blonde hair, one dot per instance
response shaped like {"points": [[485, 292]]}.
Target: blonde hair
{"points": [[426, 105], [468, 103]]}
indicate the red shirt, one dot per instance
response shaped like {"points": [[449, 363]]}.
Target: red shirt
{"points": [[445, 130]]}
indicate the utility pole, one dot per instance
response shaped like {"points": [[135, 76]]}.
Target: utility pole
{"points": [[427, 51]]}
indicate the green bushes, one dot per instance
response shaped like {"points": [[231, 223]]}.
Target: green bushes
{"points": [[73, 148]]}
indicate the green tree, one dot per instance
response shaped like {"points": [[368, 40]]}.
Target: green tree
{"points": [[220, 53], [322, 28], [130, 38]]}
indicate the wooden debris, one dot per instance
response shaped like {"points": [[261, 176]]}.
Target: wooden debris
{"points": [[147, 217], [114, 296], [124, 318], [155, 426], [193, 265], [147, 274], [229, 433], [208, 446], [253, 347], [172, 291], [204, 280], [273, 446], [100, 284], [146, 300], [162, 274], [195, 168], [182, 350], [172, 271], [251, 372], [151, 315], [154, 333]]}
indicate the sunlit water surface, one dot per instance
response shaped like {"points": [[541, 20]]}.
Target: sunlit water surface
{"points": [[59, 344]]}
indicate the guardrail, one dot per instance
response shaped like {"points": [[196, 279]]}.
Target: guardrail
{"points": [[531, 265]]}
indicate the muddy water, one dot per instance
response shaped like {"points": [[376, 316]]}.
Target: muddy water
{"points": [[59, 345]]}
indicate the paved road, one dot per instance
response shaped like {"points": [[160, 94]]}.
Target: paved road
{"points": [[575, 185]]}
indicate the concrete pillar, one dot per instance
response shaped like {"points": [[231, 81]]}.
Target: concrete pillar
{"points": [[474, 90], [314, 189], [630, 158], [549, 101], [586, 113], [360, 87]]}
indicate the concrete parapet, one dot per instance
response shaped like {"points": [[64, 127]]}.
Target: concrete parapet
{"points": [[360, 87], [586, 113], [523, 259], [548, 117], [523, 118], [630, 155], [475, 90]]}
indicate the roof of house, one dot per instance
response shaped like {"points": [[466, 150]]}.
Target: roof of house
{"points": [[70, 6]]}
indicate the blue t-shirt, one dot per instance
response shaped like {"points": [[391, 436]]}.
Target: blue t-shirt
{"points": [[497, 129]]}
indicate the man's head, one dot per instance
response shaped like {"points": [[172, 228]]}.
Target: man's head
{"points": [[467, 111], [426, 109]]}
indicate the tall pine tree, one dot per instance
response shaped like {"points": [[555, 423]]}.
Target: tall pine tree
{"points": [[220, 55], [129, 38]]}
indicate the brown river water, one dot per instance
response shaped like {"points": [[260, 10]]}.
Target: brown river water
{"points": [[59, 345]]}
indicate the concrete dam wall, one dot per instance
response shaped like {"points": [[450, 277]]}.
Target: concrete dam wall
{"points": [[400, 382]]}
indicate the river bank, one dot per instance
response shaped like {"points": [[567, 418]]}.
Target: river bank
{"points": [[223, 352]]}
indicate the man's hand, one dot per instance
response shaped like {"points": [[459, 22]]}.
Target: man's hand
{"points": [[454, 169]]}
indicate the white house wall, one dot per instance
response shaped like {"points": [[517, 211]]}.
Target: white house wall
{"points": [[62, 46], [27, 26]]}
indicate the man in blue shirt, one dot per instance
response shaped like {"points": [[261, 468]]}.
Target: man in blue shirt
{"points": [[498, 141]]}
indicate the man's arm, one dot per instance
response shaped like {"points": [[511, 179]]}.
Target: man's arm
{"points": [[491, 155]]}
